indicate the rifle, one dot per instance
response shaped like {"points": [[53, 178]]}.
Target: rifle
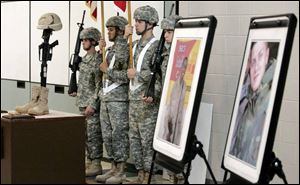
{"points": [[75, 59], [157, 63], [46, 50]]}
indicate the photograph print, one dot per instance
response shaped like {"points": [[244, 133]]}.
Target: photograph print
{"points": [[183, 87], [259, 95], [254, 100], [179, 88]]}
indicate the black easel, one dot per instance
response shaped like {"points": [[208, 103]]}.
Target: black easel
{"points": [[275, 168], [197, 149]]}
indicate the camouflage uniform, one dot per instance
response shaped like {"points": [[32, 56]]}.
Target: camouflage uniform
{"points": [[164, 64], [251, 118], [89, 84], [114, 104], [88, 87], [143, 116]]}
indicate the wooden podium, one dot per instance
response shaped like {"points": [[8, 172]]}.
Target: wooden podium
{"points": [[47, 149]]}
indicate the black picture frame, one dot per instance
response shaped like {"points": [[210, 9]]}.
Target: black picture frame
{"points": [[254, 169], [205, 26]]}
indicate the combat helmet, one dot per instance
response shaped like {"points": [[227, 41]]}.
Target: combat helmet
{"points": [[117, 21], [49, 21], [90, 33], [146, 13], [169, 22]]}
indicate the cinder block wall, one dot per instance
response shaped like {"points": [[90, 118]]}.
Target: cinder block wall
{"points": [[223, 73]]}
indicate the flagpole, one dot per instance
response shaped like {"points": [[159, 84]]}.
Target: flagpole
{"points": [[102, 30], [104, 77], [130, 37]]}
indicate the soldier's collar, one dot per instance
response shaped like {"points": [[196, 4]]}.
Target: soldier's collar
{"points": [[145, 42]]}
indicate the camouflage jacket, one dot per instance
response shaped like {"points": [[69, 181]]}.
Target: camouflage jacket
{"points": [[89, 82], [118, 74], [145, 74], [251, 119]]}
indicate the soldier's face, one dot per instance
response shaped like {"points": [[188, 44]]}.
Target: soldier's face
{"points": [[112, 33], [169, 36], [258, 62], [86, 44], [139, 26]]}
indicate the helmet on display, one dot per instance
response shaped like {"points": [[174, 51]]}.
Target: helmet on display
{"points": [[90, 33], [169, 22], [49, 21], [146, 13], [117, 21]]}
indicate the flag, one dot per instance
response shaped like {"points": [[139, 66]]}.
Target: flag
{"points": [[120, 6], [93, 9]]}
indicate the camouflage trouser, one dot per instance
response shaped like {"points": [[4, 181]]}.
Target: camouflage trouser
{"points": [[142, 120], [94, 142], [114, 124]]}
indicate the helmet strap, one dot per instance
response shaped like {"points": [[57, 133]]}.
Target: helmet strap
{"points": [[146, 28], [92, 40]]}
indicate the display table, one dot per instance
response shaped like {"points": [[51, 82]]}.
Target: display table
{"points": [[47, 149]]}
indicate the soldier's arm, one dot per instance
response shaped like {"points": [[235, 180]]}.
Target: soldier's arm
{"points": [[119, 75], [144, 75], [94, 100]]}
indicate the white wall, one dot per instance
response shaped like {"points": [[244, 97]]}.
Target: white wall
{"points": [[223, 73], [15, 40]]}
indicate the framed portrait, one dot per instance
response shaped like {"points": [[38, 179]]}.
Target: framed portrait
{"points": [[258, 98], [183, 87]]}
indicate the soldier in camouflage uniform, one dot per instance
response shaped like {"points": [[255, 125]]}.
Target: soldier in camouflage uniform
{"points": [[168, 26], [142, 115], [252, 110], [89, 83], [114, 101]]}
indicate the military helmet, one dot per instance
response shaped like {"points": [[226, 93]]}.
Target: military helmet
{"points": [[146, 13], [169, 22], [117, 21], [90, 33], [49, 21]]}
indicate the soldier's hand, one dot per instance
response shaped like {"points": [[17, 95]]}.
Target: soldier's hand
{"points": [[102, 44], [147, 99], [89, 111], [103, 67], [131, 73], [73, 94], [128, 31]]}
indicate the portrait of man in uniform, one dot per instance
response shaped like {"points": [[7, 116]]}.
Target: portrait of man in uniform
{"points": [[176, 109], [254, 101], [178, 90]]}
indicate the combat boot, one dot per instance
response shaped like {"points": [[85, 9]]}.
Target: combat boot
{"points": [[42, 107], [139, 179], [107, 175], [35, 94], [146, 178], [88, 163], [119, 176], [94, 169]]}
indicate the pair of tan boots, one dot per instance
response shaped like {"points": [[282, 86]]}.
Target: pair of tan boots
{"points": [[38, 104], [116, 175]]}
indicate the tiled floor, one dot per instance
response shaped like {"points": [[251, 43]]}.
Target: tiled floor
{"points": [[130, 176]]}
